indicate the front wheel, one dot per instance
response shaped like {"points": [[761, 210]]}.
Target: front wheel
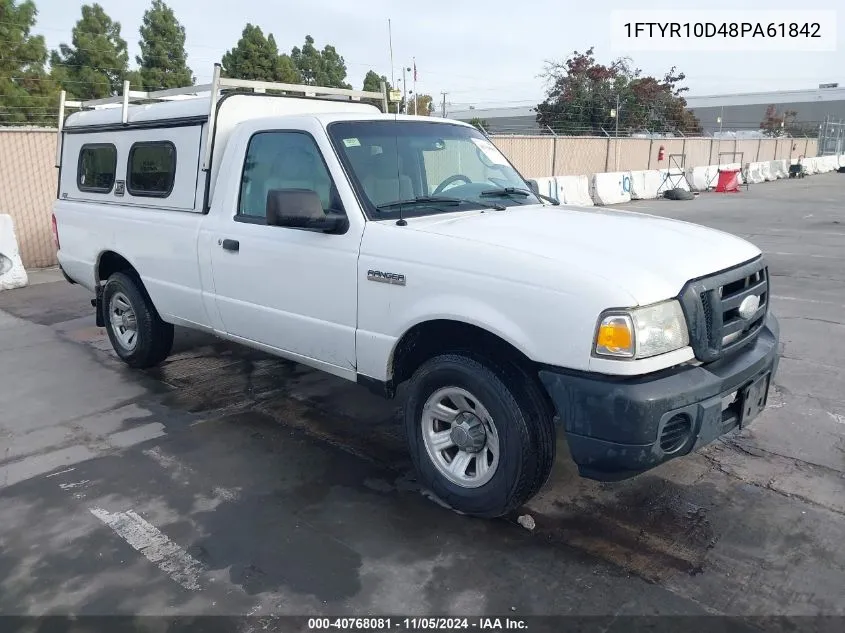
{"points": [[137, 333], [478, 436]]}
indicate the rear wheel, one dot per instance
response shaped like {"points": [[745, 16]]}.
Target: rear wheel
{"points": [[478, 435], [137, 333]]}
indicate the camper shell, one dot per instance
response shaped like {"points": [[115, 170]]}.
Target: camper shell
{"points": [[199, 121]]}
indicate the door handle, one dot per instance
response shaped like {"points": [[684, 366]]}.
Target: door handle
{"points": [[231, 245]]}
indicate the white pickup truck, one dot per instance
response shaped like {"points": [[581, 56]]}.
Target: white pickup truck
{"points": [[391, 249]]}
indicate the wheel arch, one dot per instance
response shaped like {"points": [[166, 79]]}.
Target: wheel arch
{"points": [[432, 337], [110, 262]]}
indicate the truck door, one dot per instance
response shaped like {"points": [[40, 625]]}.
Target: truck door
{"points": [[290, 289]]}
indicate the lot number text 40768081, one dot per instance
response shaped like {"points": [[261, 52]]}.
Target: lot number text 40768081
{"points": [[417, 624]]}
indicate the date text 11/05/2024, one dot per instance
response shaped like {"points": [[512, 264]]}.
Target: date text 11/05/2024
{"points": [[417, 624], [724, 29]]}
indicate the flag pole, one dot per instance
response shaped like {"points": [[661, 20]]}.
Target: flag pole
{"points": [[416, 97]]}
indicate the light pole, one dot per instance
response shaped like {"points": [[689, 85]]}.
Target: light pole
{"points": [[614, 113], [404, 92]]}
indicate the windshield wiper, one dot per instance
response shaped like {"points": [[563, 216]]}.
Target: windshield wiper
{"points": [[419, 200], [507, 191], [437, 200]]}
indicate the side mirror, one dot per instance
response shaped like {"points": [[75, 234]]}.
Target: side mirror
{"points": [[302, 209], [533, 185]]}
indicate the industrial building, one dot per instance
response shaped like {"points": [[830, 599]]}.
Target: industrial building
{"points": [[745, 111], [726, 114]]}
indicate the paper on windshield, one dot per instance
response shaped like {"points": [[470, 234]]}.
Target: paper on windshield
{"points": [[490, 151]]}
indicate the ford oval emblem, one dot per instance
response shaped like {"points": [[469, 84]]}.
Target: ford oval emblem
{"points": [[748, 307]]}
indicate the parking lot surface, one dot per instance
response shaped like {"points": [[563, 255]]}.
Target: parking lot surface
{"points": [[230, 482]]}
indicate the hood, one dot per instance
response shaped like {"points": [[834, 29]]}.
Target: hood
{"points": [[649, 257]]}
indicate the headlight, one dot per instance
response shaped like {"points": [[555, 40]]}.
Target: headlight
{"points": [[642, 332]]}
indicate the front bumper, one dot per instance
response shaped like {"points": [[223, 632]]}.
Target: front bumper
{"points": [[619, 427]]}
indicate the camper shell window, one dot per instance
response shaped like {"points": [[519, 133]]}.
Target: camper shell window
{"points": [[152, 169], [96, 169]]}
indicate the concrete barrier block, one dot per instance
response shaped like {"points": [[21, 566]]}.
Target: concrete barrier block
{"points": [[779, 168], [573, 190], [547, 186], [12, 273], [611, 187], [672, 179], [754, 173], [699, 178], [644, 184], [766, 171], [712, 176]]}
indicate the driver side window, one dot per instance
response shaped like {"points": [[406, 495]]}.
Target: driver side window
{"points": [[284, 160]]}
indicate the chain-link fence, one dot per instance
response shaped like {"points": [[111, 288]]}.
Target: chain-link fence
{"points": [[28, 189], [831, 137], [546, 155]]}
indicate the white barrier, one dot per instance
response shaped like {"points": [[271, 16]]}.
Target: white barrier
{"points": [[644, 184], [754, 175], [12, 272], [699, 178], [574, 190], [713, 173], [611, 187], [766, 171], [809, 166], [779, 168], [547, 186], [672, 179]]}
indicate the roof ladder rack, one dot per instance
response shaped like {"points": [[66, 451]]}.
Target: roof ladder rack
{"points": [[218, 83]]}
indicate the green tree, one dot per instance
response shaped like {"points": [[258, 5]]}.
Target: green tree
{"points": [[480, 124], [95, 64], [257, 57], [324, 68], [583, 97], [372, 83], [27, 95], [163, 60], [424, 105]]}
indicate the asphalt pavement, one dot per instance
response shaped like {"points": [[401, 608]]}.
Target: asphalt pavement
{"points": [[228, 482]]}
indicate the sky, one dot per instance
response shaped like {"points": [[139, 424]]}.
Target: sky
{"points": [[487, 53]]}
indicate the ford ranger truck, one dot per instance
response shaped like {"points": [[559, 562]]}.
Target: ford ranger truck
{"points": [[400, 250]]}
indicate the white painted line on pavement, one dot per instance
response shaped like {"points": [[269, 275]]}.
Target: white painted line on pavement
{"points": [[793, 231], [837, 417], [182, 472], [154, 546], [827, 303], [61, 472], [806, 255], [76, 484]]}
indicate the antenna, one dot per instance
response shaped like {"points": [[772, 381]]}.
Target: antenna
{"points": [[390, 41], [400, 221]]}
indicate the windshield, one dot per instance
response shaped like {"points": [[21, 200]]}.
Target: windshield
{"points": [[418, 168]]}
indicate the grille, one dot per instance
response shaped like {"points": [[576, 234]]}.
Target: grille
{"points": [[675, 433], [721, 312]]}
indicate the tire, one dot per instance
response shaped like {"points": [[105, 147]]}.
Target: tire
{"points": [[153, 338], [517, 422], [678, 194]]}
